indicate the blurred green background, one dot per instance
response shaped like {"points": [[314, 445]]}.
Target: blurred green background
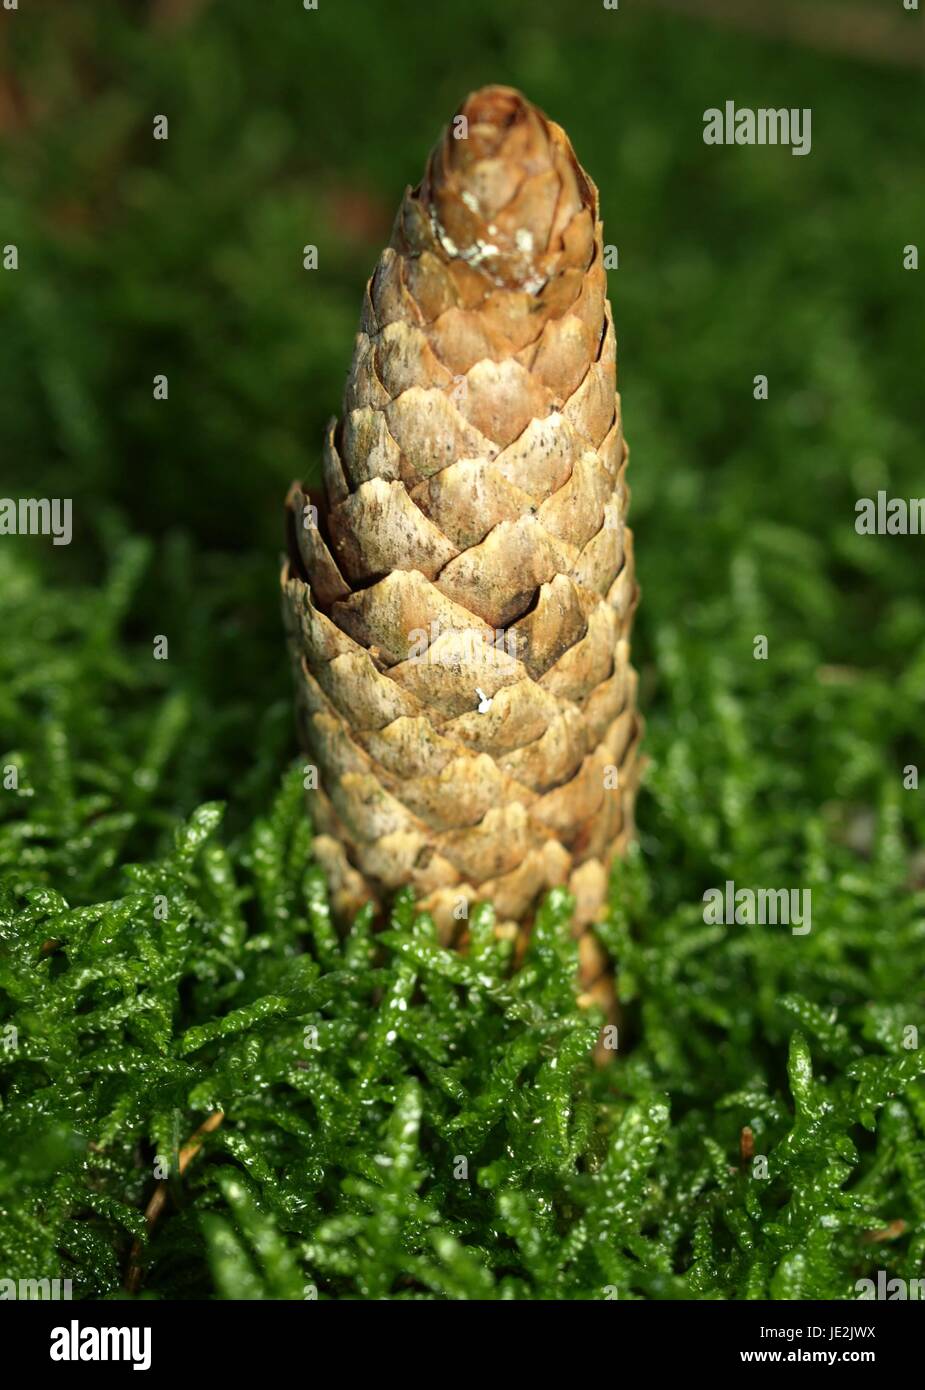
{"points": [[139, 257]]}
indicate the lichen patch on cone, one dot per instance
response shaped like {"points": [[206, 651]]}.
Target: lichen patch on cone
{"points": [[459, 605]]}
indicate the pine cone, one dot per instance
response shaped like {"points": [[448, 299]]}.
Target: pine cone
{"points": [[458, 604]]}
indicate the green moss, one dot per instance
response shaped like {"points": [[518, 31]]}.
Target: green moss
{"points": [[402, 1121]]}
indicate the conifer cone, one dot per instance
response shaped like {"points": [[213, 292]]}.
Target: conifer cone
{"points": [[458, 603]]}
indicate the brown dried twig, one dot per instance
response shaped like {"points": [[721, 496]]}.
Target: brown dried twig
{"points": [[890, 1232], [747, 1144], [174, 14], [159, 1195], [855, 30]]}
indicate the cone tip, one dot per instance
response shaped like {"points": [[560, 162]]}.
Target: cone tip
{"points": [[503, 185]]}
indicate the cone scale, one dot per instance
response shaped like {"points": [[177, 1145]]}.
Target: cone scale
{"points": [[458, 605]]}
